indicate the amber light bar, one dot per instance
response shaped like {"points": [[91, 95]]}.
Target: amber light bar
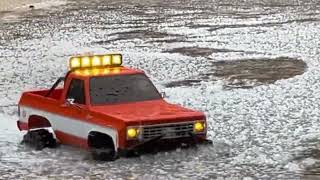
{"points": [[79, 62]]}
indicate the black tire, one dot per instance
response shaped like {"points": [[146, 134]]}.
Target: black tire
{"points": [[39, 139], [103, 154], [102, 147]]}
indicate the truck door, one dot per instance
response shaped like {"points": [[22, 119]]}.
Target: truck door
{"points": [[74, 115]]}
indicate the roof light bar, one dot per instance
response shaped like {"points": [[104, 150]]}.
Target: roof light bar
{"points": [[80, 62]]}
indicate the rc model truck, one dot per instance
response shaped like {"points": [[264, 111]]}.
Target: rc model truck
{"points": [[107, 108]]}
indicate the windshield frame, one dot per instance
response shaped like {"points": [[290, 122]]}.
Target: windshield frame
{"points": [[159, 97]]}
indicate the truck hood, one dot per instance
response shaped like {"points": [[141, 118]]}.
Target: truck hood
{"points": [[147, 112]]}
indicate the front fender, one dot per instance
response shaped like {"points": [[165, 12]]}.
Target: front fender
{"points": [[113, 133]]}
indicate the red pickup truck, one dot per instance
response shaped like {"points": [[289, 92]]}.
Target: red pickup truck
{"points": [[108, 109]]}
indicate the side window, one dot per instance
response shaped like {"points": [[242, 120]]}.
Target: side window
{"points": [[76, 91]]}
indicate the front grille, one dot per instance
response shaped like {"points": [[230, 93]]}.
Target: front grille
{"points": [[167, 131]]}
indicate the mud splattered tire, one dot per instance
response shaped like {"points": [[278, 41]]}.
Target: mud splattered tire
{"points": [[40, 139]]}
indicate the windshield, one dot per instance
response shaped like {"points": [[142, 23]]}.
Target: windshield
{"points": [[122, 88]]}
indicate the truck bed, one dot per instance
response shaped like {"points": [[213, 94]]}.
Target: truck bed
{"points": [[55, 94]]}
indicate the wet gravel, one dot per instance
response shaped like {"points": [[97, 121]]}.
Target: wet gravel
{"points": [[268, 131]]}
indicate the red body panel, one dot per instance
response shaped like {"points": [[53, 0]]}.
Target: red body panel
{"points": [[149, 112], [70, 139]]}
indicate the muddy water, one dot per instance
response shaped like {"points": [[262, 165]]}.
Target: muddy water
{"points": [[268, 131]]}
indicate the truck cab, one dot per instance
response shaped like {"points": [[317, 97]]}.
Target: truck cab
{"points": [[107, 108]]}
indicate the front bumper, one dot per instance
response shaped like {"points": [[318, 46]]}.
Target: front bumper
{"points": [[159, 144]]}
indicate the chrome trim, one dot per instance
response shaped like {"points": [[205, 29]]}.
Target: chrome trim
{"points": [[173, 123], [169, 130]]}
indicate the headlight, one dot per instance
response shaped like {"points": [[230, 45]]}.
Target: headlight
{"points": [[199, 127], [133, 133]]}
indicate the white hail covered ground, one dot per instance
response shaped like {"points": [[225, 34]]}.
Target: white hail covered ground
{"points": [[264, 132]]}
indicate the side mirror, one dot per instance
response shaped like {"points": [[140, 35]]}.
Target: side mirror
{"points": [[69, 101], [163, 95]]}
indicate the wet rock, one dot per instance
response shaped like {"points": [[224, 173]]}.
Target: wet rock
{"points": [[198, 51], [187, 82], [269, 24], [153, 36], [247, 73], [309, 159], [257, 71], [310, 153]]}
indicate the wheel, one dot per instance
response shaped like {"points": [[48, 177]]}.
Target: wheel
{"points": [[103, 154], [102, 147], [39, 139]]}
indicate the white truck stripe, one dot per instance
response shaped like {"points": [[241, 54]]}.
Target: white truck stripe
{"points": [[68, 125]]}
